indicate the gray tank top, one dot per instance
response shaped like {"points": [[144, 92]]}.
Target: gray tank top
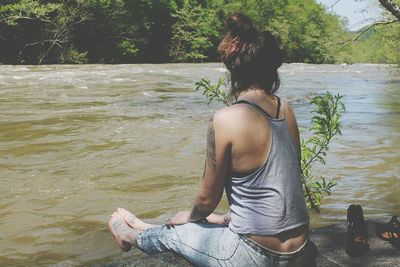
{"points": [[271, 199]]}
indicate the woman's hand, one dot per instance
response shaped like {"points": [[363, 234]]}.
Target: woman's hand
{"points": [[219, 219], [181, 217]]}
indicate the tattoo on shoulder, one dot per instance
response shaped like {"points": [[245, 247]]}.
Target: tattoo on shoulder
{"points": [[211, 148]]}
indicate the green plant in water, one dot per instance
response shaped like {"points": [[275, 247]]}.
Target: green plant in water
{"points": [[213, 92], [325, 124]]}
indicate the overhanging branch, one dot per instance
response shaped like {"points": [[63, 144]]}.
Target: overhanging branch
{"points": [[371, 26], [353, 39], [392, 7]]}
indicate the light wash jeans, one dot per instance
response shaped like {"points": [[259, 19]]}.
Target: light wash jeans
{"points": [[204, 244]]}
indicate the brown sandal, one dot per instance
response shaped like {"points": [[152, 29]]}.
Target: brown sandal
{"points": [[357, 237], [389, 231]]}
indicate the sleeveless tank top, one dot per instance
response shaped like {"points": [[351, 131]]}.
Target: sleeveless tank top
{"points": [[271, 199]]}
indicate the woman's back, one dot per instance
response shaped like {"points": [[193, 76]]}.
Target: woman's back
{"points": [[264, 190], [250, 132]]}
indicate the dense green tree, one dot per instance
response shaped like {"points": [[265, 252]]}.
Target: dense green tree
{"points": [[193, 33], [308, 32], [131, 31], [31, 31], [72, 31]]}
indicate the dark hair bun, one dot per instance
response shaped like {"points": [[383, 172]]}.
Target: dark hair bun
{"points": [[251, 56], [241, 26]]}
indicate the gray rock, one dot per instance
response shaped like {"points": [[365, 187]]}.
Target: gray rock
{"points": [[168, 259], [330, 241]]}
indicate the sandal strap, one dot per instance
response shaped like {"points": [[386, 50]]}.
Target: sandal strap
{"points": [[395, 221], [391, 235]]}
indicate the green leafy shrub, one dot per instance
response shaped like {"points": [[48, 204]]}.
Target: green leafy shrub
{"points": [[128, 48], [213, 92], [73, 56], [325, 124]]}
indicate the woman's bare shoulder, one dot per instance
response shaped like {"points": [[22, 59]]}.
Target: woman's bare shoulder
{"points": [[233, 122], [232, 115]]}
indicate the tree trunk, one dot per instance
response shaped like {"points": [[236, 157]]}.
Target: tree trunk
{"points": [[392, 7]]}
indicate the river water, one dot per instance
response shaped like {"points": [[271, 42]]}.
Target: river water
{"points": [[76, 142]]}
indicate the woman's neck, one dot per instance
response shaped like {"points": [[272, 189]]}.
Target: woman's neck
{"points": [[255, 93]]}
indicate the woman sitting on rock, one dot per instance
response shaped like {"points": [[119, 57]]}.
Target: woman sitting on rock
{"points": [[253, 152]]}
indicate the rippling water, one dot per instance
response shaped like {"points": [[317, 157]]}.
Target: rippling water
{"points": [[76, 142]]}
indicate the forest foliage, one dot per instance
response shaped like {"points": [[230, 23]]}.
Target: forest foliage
{"points": [[157, 31]]}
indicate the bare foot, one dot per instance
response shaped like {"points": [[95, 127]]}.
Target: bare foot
{"points": [[133, 221], [123, 234]]}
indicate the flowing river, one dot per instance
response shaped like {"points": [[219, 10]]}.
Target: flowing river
{"points": [[76, 142]]}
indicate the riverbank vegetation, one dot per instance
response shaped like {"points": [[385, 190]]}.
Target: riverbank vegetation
{"points": [[158, 31]]}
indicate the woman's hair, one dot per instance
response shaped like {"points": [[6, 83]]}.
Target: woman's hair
{"points": [[251, 56]]}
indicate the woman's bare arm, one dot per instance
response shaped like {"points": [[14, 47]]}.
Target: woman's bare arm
{"points": [[216, 170]]}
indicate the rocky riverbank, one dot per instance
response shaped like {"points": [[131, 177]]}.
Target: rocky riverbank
{"points": [[330, 241]]}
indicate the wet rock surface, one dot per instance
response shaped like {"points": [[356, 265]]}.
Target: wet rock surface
{"points": [[330, 241]]}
